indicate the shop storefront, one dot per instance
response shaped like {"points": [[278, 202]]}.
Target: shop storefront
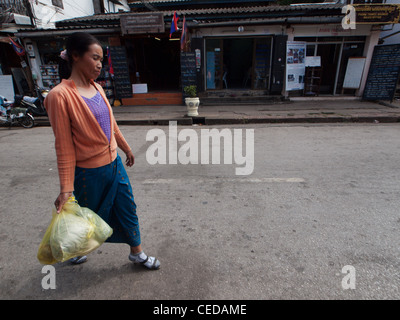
{"points": [[154, 60], [242, 51], [256, 62], [335, 47], [44, 58], [334, 53], [238, 63]]}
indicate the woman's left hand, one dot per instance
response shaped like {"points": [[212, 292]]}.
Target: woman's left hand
{"points": [[130, 159]]}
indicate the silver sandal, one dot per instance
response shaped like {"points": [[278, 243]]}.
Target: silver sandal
{"points": [[154, 266], [78, 260]]}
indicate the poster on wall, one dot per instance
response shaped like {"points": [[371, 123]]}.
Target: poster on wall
{"points": [[295, 65]]}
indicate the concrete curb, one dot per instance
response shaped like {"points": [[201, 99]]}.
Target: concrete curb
{"points": [[188, 121]]}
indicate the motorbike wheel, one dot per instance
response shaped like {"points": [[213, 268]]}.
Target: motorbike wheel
{"points": [[27, 121]]}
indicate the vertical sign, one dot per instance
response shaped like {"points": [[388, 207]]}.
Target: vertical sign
{"points": [[295, 65], [188, 69], [122, 82]]}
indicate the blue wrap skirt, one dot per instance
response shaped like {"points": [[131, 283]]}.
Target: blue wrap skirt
{"points": [[107, 191]]}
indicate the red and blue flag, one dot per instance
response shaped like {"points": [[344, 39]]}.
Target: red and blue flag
{"points": [[174, 24], [184, 35], [17, 48]]}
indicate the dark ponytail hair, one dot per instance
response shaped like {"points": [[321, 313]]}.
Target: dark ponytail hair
{"points": [[78, 42]]}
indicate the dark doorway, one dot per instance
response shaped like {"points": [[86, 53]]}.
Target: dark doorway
{"points": [[238, 62], [157, 60], [329, 60]]}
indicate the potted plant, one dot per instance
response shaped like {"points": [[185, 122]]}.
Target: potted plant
{"points": [[192, 101]]}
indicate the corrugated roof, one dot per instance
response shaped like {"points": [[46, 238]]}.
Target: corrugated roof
{"points": [[214, 11], [155, 1]]}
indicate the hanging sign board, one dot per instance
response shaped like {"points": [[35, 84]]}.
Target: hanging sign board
{"points": [[354, 71], [377, 13], [295, 65], [142, 23]]}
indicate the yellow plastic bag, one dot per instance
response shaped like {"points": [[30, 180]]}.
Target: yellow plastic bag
{"points": [[75, 231], [45, 255]]}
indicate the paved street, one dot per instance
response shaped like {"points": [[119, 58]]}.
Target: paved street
{"points": [[321, 197]]}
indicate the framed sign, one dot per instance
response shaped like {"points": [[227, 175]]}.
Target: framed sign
{"points": [[142, 23], [377, 13]]}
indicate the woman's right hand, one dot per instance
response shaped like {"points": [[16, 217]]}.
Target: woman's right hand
{"points": [[61, 200]]}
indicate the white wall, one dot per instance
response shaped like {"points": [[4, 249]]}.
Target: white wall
{"points": [[111, 7], [47, 14]]}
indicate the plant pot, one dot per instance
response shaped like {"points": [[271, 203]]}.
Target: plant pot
{"points": [[192, 105]]}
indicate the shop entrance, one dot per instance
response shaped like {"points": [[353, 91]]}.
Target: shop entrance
{"points": [[329, 54], [238, 60], [335, 54], [238, 63], [156, 60]]}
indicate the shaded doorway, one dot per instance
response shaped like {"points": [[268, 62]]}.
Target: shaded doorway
{"points": [[329, 54], [238, 63], [157, 60]]}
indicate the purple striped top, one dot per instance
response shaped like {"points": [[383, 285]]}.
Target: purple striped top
{"points": [[100, 111]]}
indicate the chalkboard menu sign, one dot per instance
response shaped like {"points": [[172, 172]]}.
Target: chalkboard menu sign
{"points": [[383, 73], [188, 69], [122, 82]]}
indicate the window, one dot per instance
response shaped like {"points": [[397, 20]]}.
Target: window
{"points": [[57, 3]]}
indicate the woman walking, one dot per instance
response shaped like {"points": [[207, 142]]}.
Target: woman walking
{"points": [[86, 141]]}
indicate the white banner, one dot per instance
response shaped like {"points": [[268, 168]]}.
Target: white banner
{"points": [[295, 65]]}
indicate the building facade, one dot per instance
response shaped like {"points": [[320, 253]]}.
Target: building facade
{"points": [[233, 49], [39, 17]]}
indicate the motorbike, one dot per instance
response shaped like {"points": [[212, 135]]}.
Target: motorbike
{"points": [[11, 114], [34, 105]]}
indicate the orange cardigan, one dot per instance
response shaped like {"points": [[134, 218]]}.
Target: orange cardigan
{"points": [[79, 139]]}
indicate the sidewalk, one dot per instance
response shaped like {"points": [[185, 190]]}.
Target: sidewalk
{"points": [[298, 110]]}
